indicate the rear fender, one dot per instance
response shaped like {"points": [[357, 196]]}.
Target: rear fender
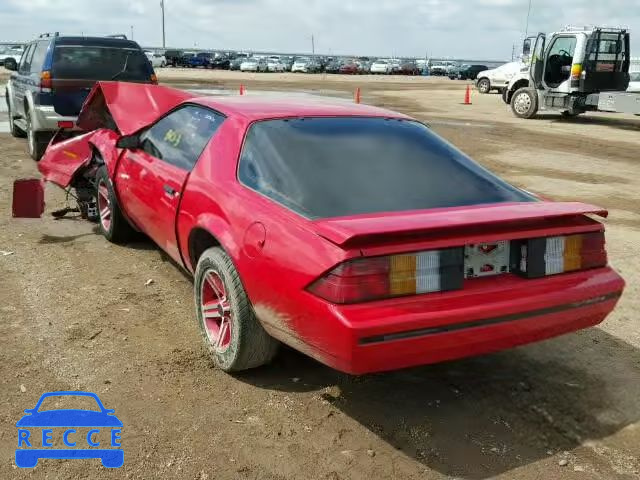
{"points": [[217, 227]]}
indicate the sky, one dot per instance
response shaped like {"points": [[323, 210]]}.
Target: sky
{"points": [[469, 29]]}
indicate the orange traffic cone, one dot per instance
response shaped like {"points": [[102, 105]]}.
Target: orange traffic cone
{"points": [[467, 96], [357, 95], [241, 89]]}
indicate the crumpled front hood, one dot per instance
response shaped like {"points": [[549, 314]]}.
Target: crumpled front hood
{"points": [[128, 107]]}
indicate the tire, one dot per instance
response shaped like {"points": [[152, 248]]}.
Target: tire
{"points": [[37, 142], [524, 103], [232, 334], [112, 223], [505, 95], [484, 85]]}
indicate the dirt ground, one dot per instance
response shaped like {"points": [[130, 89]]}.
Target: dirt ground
{"points": [[75, 314]]}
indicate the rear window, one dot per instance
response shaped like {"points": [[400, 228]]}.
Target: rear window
{"points": [[100, 63], [331, 167]]}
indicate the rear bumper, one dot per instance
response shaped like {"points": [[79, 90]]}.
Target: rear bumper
{"points": [[44, 118], [492, 315]]}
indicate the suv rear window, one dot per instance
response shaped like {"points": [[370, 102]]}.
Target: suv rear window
{"points": [[100, 63], [331, 167]]}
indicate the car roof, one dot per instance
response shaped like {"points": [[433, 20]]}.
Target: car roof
{"points": [[252, 108], [94, 41]]}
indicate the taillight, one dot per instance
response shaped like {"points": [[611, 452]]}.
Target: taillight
{"points": [[46, 81], [375, 278], [154, 79], [540, 257]]}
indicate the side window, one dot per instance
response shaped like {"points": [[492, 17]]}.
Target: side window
{"points": [[563, 46], [39, 54], [25, 61], [180, 137]]}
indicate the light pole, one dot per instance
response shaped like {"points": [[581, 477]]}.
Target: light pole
{"points": [[163, 37], [526, 30], [313, 46], [131, 32]]}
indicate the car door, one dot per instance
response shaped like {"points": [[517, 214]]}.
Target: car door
{"points": [[21, 80], [150, 178]]}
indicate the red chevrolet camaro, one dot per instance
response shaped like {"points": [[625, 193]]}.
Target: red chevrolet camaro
{"points": [[351, 233]]}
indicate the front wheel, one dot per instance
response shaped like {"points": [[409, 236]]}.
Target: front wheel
{"points": [[524, 103], [113, 225], [231, 332], [484, 85]]}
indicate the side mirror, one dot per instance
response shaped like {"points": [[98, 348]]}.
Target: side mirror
{"points": [[11, 64], [526, 47], [130, 142]]}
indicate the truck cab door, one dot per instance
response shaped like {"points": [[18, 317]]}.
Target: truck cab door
{"points": [[536, 67], [558, 62]]}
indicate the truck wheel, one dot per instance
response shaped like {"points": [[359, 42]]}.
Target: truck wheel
{"points": [[484, 85], [37, 142], [231, 332], [113, 225], [13, 129], [524, 103]]}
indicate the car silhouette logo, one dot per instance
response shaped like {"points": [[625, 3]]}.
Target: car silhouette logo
{"points": [[74, 428]]}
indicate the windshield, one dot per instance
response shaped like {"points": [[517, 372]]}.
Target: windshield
{"points": [[331, 167], [99, 63]]}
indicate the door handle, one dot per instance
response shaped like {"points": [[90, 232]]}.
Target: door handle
{"points": [[169, 190]]}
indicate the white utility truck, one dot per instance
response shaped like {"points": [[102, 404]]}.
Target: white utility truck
{"points": [[574, 71]]}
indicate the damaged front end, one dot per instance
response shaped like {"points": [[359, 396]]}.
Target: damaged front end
{"points": [[111, 110]]}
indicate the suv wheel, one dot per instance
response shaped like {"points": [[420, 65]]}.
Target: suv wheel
{"points": [[484, 85], [36, 141]]}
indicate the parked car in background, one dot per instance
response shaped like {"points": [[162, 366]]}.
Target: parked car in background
{"points": [[287, 61], [274, 64], [349, 67], [236, 63], [174, 58], [467, 72], [221, 62], [333, 66], [497, 78], [305, 65], [381, 66], [55, 75], [14, 52], [254, 64], [409, 68], [158, 60], [439, 68], [201, 59], [634, 84]]}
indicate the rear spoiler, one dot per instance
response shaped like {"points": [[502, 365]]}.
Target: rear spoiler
{"points": [[347, 230]]}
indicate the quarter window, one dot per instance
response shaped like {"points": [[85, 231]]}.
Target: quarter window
{"points": [[39, 54], [180, 137], [25, 61]]}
